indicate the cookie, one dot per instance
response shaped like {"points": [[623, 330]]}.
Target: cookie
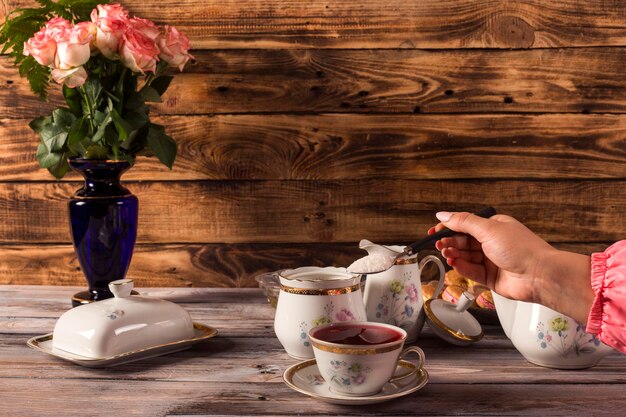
{"points": [[452, 293], [428, 289], [485, 300], [454, 278]]}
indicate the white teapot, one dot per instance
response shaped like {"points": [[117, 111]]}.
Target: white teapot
{"points": [[546, 337], [395, 297]]}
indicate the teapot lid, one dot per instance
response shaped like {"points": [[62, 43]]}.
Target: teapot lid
{"points": [[452, 322]]}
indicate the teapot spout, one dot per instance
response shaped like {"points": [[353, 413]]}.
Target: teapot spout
{"points": [[505, 308]]}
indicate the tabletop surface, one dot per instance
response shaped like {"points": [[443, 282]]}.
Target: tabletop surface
{"points": [[239, 372]]}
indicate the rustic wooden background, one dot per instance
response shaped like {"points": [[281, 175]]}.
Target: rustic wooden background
{"points": [[305, 126]]}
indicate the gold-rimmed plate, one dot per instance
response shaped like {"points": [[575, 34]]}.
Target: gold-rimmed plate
{"points": [[44, 344], [305, 377]]}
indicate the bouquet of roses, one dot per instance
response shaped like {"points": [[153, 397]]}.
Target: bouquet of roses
{"points": [[109, 64]]}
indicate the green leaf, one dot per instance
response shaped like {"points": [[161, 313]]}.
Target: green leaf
{"points": [[54, 137], [63, 117], [127, 157], [151, 95], [124, 128], [60, 169], [96, 152], [101, 129], [93, 92], [78, 131], [134, 101], [38, 76], [81, 9], [164, 147], [111, 138], [161, 83], [38, 124], [46, 158], [73, 100], [99, 117]]}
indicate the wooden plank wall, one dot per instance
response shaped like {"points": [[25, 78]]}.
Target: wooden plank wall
{"points": [[305, 126]]}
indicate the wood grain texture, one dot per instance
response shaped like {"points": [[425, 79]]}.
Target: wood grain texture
{"points": [[306, 126], [349, 146], [239, 372], [195, 265], [375, 81], [209, 265], [323, 211], [394, 24]]}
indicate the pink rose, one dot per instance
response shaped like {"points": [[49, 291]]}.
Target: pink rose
{"points": [[138, 52], [145, 26], [43, 45], [72, 77], [106, 16], [111, 21], [83, 31], [58, 28], [75, 50], [174, 47]]}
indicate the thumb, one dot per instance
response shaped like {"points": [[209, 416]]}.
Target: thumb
{"points": [[464, 222]]}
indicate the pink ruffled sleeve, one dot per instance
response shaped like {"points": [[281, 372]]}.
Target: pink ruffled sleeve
{"points": [[607, 318]]}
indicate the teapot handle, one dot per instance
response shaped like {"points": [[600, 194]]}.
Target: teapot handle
{"points": [[442, 272]]}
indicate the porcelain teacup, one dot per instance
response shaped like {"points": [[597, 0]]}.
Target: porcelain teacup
{"points": [[359, 358]]}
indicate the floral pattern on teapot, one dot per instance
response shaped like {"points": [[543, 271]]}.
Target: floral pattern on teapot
{"points": [[343, 314], [399, 303], [555, 336]]}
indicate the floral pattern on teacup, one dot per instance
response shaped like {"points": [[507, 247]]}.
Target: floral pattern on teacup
{"points": [[399, 304], [556, 336], [346, 374], [344, 314]]}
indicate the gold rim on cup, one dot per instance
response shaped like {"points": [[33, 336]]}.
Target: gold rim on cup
{"points": [[357, 349], [351, 350]]}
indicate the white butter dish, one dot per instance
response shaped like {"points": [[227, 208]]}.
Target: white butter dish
{"points": [[122, 326]]}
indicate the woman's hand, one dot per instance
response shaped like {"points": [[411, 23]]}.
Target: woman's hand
{"points": [[509, 258]]}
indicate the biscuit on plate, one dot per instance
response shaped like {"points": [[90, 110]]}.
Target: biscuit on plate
{"points": [[454, 278], [452, 293], [485, 300], [428, 289]]}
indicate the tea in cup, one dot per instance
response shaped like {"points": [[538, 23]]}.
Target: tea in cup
{"points": [[359, 358]]}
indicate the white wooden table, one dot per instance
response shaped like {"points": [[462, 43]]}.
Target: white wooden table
{"points": [[239, 372]]}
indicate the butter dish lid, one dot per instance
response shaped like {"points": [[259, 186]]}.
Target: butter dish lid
{"points": [[452, 322], [125, 323]]}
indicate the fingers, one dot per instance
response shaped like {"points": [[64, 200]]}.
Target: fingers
{"points": [[476, 257], [475, 272], [462, 242], [465, 223]]}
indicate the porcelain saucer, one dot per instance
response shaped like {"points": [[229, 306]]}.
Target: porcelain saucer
{"points": [[305, 377], [44, 344]]}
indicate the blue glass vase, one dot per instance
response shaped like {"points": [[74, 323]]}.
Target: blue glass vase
{"points": [[103, 221]]}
